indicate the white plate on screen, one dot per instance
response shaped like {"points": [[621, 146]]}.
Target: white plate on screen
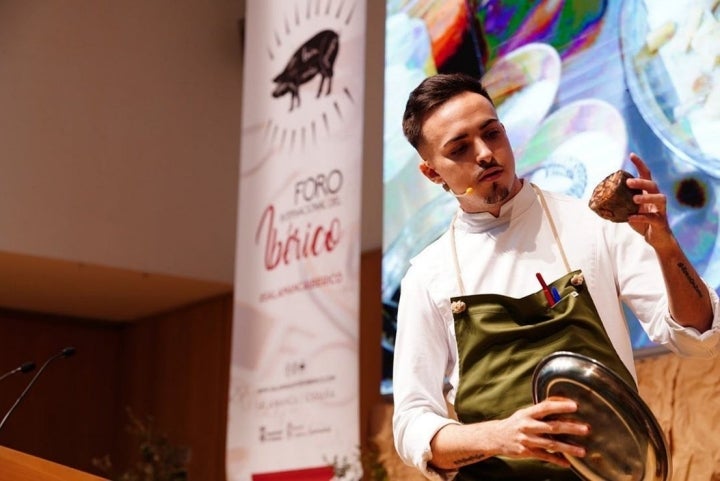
{"points": [[523, 85], [575, 148]]}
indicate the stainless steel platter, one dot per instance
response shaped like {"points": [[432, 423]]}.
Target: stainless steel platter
{"points": [[625, 442]]}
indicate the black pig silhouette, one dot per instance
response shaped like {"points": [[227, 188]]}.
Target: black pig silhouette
{"points": [[316, 56]]}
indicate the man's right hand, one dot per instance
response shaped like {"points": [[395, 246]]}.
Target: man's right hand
{"points": [[527, 433]]}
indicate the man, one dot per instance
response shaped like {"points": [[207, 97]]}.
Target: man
{"points": [[472, 315]]}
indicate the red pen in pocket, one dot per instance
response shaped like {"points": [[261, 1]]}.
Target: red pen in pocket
{"points": [[546, 290]]}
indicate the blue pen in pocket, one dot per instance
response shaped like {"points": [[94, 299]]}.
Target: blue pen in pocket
{"points": [[555, 293]]}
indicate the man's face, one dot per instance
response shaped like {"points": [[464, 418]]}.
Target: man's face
{"points": [[464, 145]]}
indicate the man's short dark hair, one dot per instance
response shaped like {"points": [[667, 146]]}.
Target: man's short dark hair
{"points": [[431, 94]]}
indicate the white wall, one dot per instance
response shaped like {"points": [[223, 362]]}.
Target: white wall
{"points": [[119, 128], [119, 143]]}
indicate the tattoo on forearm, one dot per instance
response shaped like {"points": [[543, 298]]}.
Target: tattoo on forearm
{"points": [[690, 279], [469, 459]]}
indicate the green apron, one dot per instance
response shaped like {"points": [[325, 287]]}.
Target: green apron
{"points": [[501, 339]]}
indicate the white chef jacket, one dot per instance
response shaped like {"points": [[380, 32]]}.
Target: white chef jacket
{"points": [[502, 255]]}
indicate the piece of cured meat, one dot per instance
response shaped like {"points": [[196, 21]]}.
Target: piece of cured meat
{"points": [[612, 199]]}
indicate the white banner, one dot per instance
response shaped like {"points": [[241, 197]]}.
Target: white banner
{"points": [[294, 374]]}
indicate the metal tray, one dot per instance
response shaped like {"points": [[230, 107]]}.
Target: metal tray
{"points": [[625, 442]]}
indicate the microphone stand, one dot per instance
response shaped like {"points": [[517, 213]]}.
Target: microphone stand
{"points": [[25, 367], [66, 352]]}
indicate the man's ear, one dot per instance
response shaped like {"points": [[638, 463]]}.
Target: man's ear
{"points": [[430, 173]]}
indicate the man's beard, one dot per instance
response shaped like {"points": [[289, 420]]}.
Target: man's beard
{"points": [[498, 194]]}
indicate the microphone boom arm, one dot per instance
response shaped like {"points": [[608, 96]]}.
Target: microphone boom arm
{"points": [[66, 352]]}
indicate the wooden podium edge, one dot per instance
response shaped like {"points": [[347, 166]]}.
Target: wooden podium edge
{"points": [[19, 466]]}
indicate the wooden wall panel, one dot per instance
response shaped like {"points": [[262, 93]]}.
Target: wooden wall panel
{"points": [[69, 414], [370, 335], [176, 369], [173, 367]]}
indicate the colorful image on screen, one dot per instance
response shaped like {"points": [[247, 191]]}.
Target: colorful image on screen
{"points": [[579, 85]]}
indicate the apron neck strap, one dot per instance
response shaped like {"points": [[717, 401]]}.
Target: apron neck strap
{"points": [[548, 216]]}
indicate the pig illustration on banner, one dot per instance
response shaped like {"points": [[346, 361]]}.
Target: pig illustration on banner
{"points": [[316, 56]]}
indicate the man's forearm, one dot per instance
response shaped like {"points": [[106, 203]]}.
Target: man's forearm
{"points": [[457, 445], [688, 297]]}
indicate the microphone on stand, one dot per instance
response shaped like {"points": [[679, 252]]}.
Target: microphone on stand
{"points": [[25, 367], [66, 352]]}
